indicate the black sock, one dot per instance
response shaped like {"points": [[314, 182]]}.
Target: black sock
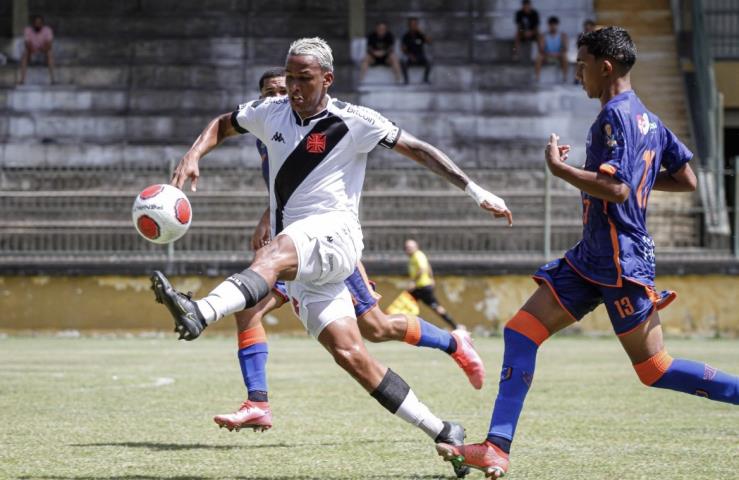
{"points": [[452, 346], [258, 396], [500, 442]]}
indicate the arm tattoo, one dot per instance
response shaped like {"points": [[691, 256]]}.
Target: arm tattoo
{"points": [[436, 161]]}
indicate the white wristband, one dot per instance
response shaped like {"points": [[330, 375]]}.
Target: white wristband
{"points": [[480, 195]]}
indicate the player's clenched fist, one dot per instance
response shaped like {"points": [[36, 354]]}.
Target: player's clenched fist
{"points": [[489, 201]]}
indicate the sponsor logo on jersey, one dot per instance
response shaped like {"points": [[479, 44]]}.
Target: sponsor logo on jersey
{"points": [[644, 124], [316, 143], [277, 137]]}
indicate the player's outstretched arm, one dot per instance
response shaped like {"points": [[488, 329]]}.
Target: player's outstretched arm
{"points": [[217, 130], [681, 181], [593, 183], [436, 161]]}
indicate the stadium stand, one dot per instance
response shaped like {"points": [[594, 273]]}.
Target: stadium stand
{"points": [[138, 80]]}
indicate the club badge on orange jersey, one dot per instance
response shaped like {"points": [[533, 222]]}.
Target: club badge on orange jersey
{"points": [[610, 137]]}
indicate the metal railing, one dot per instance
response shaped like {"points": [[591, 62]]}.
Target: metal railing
{"points": [[62, 227], [722, 25], [706, 112]]}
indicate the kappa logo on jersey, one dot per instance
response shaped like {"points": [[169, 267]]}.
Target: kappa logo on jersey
{"points": [[644, 124], [316, 143], [277, 137]]}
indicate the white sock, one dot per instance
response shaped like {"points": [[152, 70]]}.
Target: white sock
{"points": [[224, 300], [415, 412]]}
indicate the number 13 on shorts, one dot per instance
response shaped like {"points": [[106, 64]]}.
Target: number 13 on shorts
{"points": [[624, 307]]}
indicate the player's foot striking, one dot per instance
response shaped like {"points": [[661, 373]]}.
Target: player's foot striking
{"points": [[453, 435], [482, 456], [189, 322], [468, 359], [254, 415]]}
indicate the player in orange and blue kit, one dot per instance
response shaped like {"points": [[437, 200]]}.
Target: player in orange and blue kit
{"points": [[629, 154]]}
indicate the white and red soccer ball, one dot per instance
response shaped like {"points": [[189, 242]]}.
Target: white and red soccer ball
{"points": [[161, 213]]}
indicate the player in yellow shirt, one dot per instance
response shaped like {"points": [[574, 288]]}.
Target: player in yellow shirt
{"points": [[422, 278]]}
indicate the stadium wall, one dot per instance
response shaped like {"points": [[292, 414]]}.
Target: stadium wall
{"points": [[726, 75], [707, 305]]}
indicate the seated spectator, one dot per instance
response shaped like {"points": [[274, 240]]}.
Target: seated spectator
{"points": [[552, 48], [380, 51], [414, 48], [37, 38], [527, 27], [588, 26]]}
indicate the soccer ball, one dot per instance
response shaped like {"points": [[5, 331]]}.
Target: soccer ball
{"points": [[161, 213]]}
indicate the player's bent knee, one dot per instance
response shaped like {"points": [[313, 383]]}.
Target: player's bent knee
{"points": [[373, 331], [352, 358], [652, 369], [529, 326]]}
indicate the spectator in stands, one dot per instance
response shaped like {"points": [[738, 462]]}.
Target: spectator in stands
{"points": [[414, 50], [527, 27], [38, 39], [552, 48], [422, 281], [587, 26], [380, 51]]}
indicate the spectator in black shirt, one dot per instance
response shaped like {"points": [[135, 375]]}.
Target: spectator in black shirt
{"points": [[527, 24], [414, 48], [380, 51]]}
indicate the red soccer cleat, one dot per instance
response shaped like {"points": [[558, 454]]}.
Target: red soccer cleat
{"points": [[254, 415], [467, 358], [483, 456]]}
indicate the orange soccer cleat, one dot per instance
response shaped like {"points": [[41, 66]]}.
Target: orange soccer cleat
{"points": [[482, 456], [467, 358], [254, 415]]}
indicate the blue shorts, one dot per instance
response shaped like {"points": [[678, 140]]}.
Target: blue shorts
{"points": [[362, 295], [628, 306]]}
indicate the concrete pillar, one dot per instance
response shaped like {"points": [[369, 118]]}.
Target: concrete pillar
{"points": [[20, 20], [357, 29]]}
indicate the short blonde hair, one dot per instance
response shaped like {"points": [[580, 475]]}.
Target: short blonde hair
{"points": [[318, 48]]}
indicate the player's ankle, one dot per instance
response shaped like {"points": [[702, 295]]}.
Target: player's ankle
{"points": [[502, 443]]}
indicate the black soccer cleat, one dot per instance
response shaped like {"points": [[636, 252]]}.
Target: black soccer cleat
{"points": [[454, 434], [188, 320]]}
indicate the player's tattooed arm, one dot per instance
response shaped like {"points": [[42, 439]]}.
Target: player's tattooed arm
{"points": [[681, 181], [431, 158], [439, 163], [596, 184], [217, 130]]}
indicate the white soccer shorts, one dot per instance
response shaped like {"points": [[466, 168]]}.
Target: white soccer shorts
{"points": [[328, 247]]}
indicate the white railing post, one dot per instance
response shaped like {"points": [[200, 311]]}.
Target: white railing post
{"points": [[547, 213]]}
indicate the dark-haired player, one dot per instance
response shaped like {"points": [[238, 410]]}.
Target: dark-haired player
{"points": [[629, 153]]}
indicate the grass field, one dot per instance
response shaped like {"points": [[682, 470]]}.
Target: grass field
{"points": [[97, 408]]}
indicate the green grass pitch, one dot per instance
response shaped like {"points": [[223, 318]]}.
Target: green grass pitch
{"points": [[139, 408]]}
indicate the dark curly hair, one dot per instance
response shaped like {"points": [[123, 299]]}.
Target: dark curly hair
{"points": [[611, 43], [271, 73]]}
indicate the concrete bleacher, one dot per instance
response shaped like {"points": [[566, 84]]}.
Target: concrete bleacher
{"points": [[139, 79]]}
